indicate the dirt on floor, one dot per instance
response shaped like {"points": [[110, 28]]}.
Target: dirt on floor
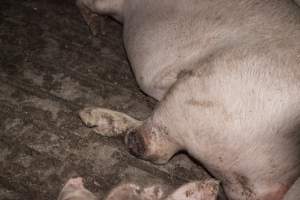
{"points": [[50, 68]]}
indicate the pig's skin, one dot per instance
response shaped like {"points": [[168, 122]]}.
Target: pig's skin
{"points": [[227, 73], [198, 190], [75, 190]]}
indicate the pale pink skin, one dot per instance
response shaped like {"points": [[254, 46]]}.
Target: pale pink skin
{"points": [[198, 190], [75, 190], [227, 75]]}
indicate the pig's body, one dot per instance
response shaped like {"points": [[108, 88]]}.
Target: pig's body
{"points": [[227, 73]]}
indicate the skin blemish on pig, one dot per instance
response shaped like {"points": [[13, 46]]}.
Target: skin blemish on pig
{"points": [[184, 73], [244, 183], [204, 103], [189, 193], [108, 118], [162, 130]]}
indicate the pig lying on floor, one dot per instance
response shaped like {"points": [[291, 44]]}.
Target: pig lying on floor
{"points": [[204, 190], [227, 75]]}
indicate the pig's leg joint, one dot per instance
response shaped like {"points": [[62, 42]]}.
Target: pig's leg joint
{"points": [[151, 142]]}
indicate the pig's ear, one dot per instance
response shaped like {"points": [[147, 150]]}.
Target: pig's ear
{"points": [[199, 190], [151, 142]]}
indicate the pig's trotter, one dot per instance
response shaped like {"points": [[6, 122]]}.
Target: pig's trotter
{"points": [[93, 20], [107, 122]]}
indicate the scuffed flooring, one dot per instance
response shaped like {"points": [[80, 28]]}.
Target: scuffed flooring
{"points": [[51, 67]]}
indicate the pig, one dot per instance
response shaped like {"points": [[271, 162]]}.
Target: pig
{"points": [[75, 190], [226, 74], [198, 190]]}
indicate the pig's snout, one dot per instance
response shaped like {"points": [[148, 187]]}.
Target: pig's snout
{"points": [[151, 142], [135, 144]]}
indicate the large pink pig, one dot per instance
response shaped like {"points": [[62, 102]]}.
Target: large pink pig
{"points": [[227, 75]]}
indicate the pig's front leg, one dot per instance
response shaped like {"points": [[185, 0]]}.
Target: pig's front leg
{"points": [[154, 144]]}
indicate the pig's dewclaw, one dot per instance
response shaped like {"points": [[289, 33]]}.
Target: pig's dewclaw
{"points": [[108, 122], [198, 190], [94, 21]]}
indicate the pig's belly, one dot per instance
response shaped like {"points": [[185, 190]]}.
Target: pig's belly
{"points": [[162, 45]]}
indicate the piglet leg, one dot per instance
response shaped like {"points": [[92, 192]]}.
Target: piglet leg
{"points": [[107, 122], [130, 191], [199, 190], [75, 190]]}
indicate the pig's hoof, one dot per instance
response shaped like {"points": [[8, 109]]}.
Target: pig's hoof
{"points": [[107, 122], [199, 190], [135, 144]]}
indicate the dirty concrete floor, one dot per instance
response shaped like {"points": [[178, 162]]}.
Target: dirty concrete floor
{"points": [[51, 67]]}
